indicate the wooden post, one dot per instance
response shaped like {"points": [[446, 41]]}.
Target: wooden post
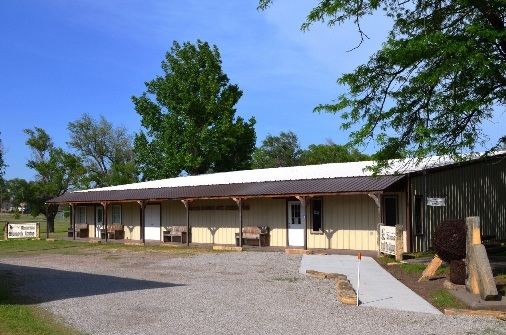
{"points": [[143, 220], [238, 201], [73, 219], [187, 206], [473, 237], [399, 242], [104, 204]]}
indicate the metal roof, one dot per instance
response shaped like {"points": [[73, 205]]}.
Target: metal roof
{"points": [[321, 186]]}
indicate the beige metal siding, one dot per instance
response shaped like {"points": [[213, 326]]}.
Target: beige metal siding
{"points": [[471, 190], [130, 217], [349, 222]]}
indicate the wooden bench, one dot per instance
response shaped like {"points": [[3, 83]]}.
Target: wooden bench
{"points": [[176, 232], [253, 233], [81, 230], [114, 231]]}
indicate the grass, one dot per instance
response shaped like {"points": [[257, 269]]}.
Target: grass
{"points": [[443, 299], [419, 268]]}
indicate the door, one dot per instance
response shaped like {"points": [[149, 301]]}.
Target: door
{"points": [[152, 222], [295, 226], [99, 220]]}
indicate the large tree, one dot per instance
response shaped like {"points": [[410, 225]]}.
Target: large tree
{"points": [[278, 151], [189, 117], [56, 172], [107, 152], [439, 75], [331, 153]]}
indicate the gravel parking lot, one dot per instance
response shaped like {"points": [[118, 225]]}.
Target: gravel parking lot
{"points": [[224, 293]]}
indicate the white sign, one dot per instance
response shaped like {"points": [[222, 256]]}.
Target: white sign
{"points": [[436, 201], [22, 230], [387, 240]]}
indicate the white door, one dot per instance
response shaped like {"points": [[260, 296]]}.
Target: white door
{"points": [[295, 226], [99, 220], [152, 222]]}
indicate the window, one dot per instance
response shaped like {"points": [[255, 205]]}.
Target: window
{"points": [[294, 213], [116, 214], [81, 214], [418, 215], [390, 210], [316, 216]]}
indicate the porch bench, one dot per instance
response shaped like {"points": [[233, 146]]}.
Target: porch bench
{"points": [[114, 231], [176, 232], [253, 233], [81, 230]]}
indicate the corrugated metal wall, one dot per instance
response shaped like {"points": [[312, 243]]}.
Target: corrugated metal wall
{"points": [[470, 190]]}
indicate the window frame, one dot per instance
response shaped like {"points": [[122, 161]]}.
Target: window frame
{"points": [[82, 212], [385, 211], [320, 230]]}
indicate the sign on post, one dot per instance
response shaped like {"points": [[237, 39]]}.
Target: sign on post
{"points": [[22, 230], [387, 240]]}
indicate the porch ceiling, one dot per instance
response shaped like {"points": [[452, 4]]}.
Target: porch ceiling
{"points": [[362, 184]]}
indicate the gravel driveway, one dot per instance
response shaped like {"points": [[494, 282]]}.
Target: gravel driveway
{"points": [[225, 293]]}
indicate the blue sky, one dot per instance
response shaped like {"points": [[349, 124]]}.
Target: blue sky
{"points": [[61, 59]]}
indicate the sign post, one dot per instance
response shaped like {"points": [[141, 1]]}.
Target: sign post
{"points": [[358, 283]]}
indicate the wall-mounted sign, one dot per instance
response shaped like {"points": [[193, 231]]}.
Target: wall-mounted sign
{"points": [[22, 230], [387, 240], [436, 201]]}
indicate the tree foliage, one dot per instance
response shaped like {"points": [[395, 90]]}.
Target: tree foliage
{"points": [[331, 153], [56, 172], [107, 152], [440, 74], [2, 162], [278, 151], [189, 117]]}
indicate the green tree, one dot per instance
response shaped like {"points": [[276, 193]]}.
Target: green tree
{"points": [[188, 114], [331, 153], [56, 172], [439, 75], [107, 152], [16, 191], [278, 151]]}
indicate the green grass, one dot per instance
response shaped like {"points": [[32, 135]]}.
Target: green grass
{"points": [[443, 299], [60, 225], [419, 268]]}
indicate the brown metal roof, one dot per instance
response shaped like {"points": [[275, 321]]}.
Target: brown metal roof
{"points": [[262, 189]]}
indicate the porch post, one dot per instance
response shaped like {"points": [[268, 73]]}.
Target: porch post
{"points": [[238, 201], [143, 220], [186, 203], [104, 204], [73, 221]]}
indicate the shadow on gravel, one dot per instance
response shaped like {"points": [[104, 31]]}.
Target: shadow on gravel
{"points": [[43, 285]]}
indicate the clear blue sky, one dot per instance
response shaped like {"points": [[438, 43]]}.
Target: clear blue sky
{"points": [[61, 59]]}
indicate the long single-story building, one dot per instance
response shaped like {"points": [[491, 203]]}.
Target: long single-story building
{"points": [[330, 206]]}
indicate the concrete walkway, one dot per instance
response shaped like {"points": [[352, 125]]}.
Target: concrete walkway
{"points": [[378, 288]]}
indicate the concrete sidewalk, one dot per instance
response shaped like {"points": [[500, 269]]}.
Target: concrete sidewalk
{"points": [[378, 288]]}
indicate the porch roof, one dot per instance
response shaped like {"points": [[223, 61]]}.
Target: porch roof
{"points": [[283, 188]]}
